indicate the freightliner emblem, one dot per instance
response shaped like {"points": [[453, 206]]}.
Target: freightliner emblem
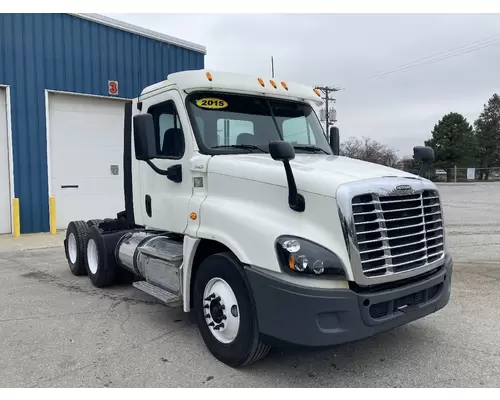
{"points": [[403, 187]]}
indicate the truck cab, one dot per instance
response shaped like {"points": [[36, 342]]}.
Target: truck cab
{"points": [[240, 210]]}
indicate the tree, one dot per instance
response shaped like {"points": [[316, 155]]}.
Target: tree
{"points": [[487, 128], [370, 150], [453, 143]]}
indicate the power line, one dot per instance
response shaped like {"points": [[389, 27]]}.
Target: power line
{"points": [[443, 52], [434, 60], [468, 48]]}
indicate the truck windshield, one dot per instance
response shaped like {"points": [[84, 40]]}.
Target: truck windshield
{"points": [[225, 122]]}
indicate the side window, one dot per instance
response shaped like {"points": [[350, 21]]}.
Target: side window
{"points": [[297, 130], [169, 135], [201, 126], [231, 131]]}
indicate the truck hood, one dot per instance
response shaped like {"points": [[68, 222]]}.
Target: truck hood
{"points": [[314, 173]]}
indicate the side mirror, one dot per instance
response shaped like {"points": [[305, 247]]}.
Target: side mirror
{"points": [[335, 140], [281, 151], [144, 137], [284, 151], [423, 154]]}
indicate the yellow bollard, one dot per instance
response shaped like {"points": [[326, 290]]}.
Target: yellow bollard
{"points": [[17, 221], [52, 203]]}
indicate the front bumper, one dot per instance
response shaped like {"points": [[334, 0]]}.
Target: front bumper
{"points": [[319, 317]]}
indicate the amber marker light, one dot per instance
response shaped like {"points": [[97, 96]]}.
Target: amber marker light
{"points": [[284, 85], [261, 82], [193, 216], [209, 76], [273, 84]]}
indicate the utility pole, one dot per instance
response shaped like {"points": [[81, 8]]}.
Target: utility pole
{"points": [[327, 90]]}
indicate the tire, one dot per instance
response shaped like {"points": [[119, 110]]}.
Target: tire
{"points": [[74, 247], [238, 342], [100, 263]]}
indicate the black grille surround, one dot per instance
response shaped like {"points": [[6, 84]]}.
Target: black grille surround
{"points": [[397, 232]]}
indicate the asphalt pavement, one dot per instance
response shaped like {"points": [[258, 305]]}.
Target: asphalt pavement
{"points": [[57, 330]]}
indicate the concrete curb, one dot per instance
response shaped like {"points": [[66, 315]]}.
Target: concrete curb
{"points": [[31, 241]]}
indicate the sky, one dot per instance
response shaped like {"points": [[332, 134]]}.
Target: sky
{"points": [[348, 51]]}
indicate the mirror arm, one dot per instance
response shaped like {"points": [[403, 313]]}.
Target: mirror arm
{"points": [[295, 200], [156, 169], [423, 168], [174, 172], [284, 152]]}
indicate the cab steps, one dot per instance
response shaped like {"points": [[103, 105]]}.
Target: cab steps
{"points": [[170, 299]]}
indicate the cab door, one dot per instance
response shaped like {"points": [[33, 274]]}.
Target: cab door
{"points": [[166, 186]]}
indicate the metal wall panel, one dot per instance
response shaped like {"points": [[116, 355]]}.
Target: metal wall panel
{"points": [[68, 53]]}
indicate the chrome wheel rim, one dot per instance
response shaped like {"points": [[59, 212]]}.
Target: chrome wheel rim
{"points": [[221, 310], [92, 256], [72, 249]]}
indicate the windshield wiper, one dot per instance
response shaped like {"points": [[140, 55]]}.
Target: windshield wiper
{"points": [[312, 148], [240, 146]]}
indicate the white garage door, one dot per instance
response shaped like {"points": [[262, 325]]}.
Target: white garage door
{"points": [[5, 198], [86, 172]]}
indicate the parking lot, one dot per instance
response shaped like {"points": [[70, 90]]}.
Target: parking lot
{"points": [[57, 330]]}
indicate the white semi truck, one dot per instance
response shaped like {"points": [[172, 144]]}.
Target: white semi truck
{"points": [[239, 209]]}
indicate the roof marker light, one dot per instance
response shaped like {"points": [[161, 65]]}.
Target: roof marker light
{"points": [[317, 92], [209, 76], [284, 85], [273, 83], [261, 82]]}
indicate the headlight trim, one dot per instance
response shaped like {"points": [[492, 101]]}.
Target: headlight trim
{"points": [[315, 260]]}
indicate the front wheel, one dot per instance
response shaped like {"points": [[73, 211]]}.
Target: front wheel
{"points": [[225, 312]]}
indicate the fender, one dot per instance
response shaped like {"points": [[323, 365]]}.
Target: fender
{"points": [[190, 245]]}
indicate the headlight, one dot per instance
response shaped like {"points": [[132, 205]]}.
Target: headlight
{"points": [[305, 257]]}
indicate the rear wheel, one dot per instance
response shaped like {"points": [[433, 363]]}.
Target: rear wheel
{"points": [[225, 312], [100, 263], [76, 236]]}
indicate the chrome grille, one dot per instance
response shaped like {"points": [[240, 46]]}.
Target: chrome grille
{"points": [[397, 233]]}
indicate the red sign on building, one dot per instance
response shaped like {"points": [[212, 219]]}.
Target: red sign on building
{"points": [[113, 88]]}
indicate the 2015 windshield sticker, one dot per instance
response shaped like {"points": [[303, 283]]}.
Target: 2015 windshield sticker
{"points": [[212, 103]]}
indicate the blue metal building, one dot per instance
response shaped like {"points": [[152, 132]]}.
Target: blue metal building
{"points": [[83, 54]]}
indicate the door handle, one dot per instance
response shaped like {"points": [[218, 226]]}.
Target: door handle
{"points": [[149, 210]]}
